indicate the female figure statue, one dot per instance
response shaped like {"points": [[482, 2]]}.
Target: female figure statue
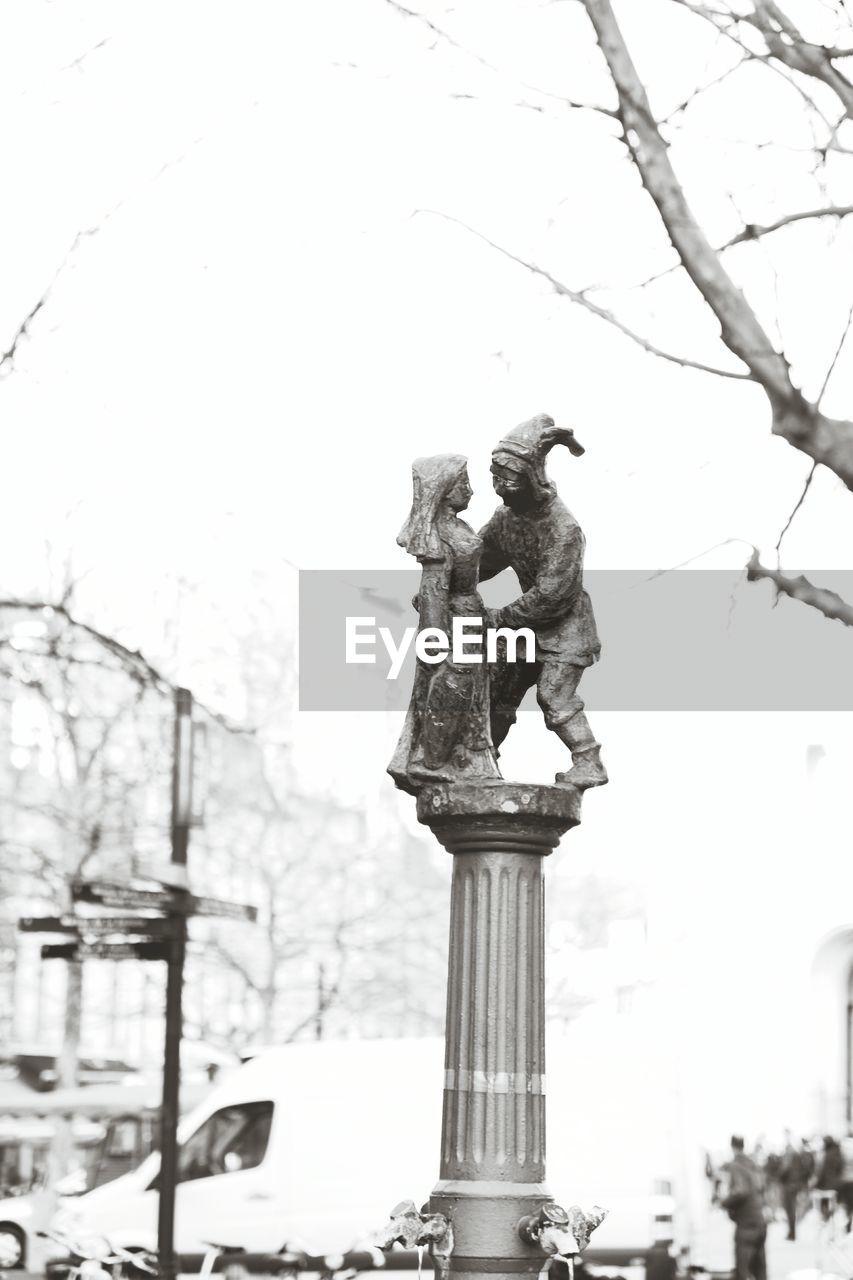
{"points": [[446, 736]]}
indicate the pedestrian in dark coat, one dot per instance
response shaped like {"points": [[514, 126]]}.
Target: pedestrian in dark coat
{"points": [[829, 1174], [794, 1178], [845, 1190], [744, 1203]]}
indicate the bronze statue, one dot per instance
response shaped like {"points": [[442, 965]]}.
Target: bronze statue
{"points": [[534, 534], [446, 735]]}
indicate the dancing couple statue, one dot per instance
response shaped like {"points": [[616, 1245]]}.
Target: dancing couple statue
{"points": [[461, 710]]}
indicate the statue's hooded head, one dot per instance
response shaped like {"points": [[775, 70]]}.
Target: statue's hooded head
{"points": [[518, 462], [440, 479]]}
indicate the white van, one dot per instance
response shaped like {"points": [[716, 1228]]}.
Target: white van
{"points": [[314, 1144]]}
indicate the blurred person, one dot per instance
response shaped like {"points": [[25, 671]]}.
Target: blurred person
{"points": [[744, 1202], [845, 1188], [828, 1180], [794, 1180], [808, 1158], [712, 1178], [759, 1158], [772, 1187]]}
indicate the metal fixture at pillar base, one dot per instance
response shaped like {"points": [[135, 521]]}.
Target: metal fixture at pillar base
{"points": [[492, 1173]]}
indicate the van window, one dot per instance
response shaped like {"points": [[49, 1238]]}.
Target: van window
{"points": [[122, 1137], [230, 1140]]}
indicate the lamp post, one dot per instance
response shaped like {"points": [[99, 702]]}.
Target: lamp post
{"points": [[181, 822]]}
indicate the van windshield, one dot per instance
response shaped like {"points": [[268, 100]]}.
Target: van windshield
{"points": [[232, 1139]]}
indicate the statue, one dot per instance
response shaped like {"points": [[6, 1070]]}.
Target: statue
{"points": [[446, 735], [535, 535]]}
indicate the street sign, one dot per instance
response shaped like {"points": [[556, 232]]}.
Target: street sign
{"points": [[127, 926], [106, 951], [109, 893], [125, 951], [115, 894], [59, 951], [47, 924], [224, 910], [101, 926]]}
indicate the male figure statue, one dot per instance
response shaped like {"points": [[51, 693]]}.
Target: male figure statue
{"points": [[534, 534]]}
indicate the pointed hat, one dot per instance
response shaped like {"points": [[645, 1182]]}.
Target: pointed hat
{"points": [[530, 442]]}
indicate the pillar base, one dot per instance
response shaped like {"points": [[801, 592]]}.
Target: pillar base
{"points": [[485, 1218]]}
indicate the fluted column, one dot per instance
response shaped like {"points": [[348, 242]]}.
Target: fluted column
{"points": [[494, 1102], [493, 1129]]}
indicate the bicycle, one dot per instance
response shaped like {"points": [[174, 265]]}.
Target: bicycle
{"points": [[95, 1258]]}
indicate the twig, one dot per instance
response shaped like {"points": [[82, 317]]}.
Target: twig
{"points": [[441, 34], [838, 351], [579, 297], [829, 603], [754, 230], [795, 509]]}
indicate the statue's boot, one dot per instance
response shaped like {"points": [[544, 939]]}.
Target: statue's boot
{"points": [[587, 769]]}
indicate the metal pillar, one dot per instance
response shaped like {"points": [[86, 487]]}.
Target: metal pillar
{"points": [[493, 1129]]}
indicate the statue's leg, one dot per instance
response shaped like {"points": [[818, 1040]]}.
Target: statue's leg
{"points": [[564, 714], [508, 683]]}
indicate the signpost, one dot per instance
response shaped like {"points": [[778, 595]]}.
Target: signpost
{"points": [[98, 926], [126, 897], [105, 951], [122, 897], [157, 931]]}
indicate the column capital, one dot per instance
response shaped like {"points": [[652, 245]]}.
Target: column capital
{"points": [[498, 816]]}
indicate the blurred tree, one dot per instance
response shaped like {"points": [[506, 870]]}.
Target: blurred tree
{"points": [[351, 935], [84, 765]]}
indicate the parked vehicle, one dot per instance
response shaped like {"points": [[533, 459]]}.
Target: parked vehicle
{"points": [[310, 1146], [21, 1218], [38, 1068], [113, 1128]]}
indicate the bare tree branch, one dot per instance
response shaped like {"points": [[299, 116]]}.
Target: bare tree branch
{"points": [[7, 359], [703, 88], [787, 45], [841, 341], [77, 63], [754, 230], [826, 602], [795, 419], [132, 660], [441, 34], [580, 298], [796, 507]]}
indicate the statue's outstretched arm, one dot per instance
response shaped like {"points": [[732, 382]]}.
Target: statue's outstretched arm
{"points": [[558, 584]]}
